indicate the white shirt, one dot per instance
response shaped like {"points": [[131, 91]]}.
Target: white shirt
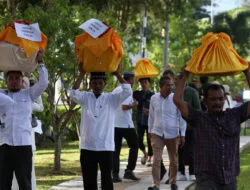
{"points": [[17, 119], [97, 117], [5, 100], [123, 118], [37, 105], [164, 117]]}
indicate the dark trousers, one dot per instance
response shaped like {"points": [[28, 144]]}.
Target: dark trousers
{"points": [[186, 153], [203, 182], [142, 129], [16, 159], [131, 137], [89, 164]]}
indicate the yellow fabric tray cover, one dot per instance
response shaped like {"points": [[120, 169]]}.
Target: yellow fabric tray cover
{"points": [[216, 57], [144, 69], [30, 47], [101, 54]]}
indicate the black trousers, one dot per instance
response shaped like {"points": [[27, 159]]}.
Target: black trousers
{"points": [[16, 159], [89, 164], [186, 153], [131, 137], [142, 129]]}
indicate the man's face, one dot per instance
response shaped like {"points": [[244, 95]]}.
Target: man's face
{"points": [[166, 87], [215, 100], [145, 84], [131, 80], [97, 86], [14, 81]]}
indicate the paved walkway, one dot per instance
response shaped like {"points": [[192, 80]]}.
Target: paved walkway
{"points": [[143, 172]]}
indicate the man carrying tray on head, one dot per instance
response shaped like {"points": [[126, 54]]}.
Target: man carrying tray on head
{"points": [[97, 127], [15, 136], [217, 136]]}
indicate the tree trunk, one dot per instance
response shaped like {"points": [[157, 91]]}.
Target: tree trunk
{"points": [[166, 44], [58, 148], [12, 7], [77, 126], [58, 128], [125, 15], [166, 37]]}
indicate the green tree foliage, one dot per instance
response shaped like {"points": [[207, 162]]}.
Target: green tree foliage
{"points": [[236, 25]]}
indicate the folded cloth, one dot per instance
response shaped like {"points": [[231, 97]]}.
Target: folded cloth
{"points": [[102, 54], [18, 53], [216, 57], [13, 58], [30, 47], [144, 69]]}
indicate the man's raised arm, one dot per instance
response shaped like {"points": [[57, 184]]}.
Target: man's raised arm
{"points": [[178, 95], [247, 74], [43, 81]]}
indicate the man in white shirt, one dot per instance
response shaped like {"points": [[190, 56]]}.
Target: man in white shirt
{"points": [[37, 106], [124, 128], [164, 123], [15, 136], [97, 127]]}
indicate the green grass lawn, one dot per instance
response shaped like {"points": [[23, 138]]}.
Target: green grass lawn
{"points": [[243, 178], [44, 161], [245, 132], [70, 164]]}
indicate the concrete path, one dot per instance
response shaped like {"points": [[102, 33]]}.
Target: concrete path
{"points": [[143, 172]]}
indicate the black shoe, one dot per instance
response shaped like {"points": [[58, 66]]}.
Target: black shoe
{"points": [[174, 187], [130, 175], [163, 172], [167, 182], [153, 188], [116, 178]]}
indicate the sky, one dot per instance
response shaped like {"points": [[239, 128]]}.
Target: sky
{"points": [[225, 5]]}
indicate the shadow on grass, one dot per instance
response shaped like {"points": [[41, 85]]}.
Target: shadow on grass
{"points": [[51, 145], [47, 178], [52, 152], [46, 184]]}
